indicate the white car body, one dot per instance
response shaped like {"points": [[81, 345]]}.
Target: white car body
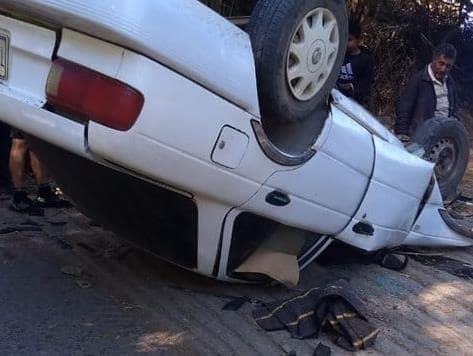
{"points": [[195, 134]]}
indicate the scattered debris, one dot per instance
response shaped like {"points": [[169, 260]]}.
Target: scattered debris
{"points": [[236, 304], [322, 350], [84, 283], [394, 261], [341, 254], [83, 279], [86, 247], [332, 308], [119, 252], [74, 271]]}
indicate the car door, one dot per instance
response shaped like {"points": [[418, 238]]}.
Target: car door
{"points": [[323, 194]]}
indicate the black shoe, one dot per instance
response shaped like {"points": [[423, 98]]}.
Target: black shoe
{"points": [[5, 192], [53, 202], [22, 204], [47, 199]]}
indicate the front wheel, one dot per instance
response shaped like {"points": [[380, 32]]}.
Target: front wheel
{"points": [[446, 143]]}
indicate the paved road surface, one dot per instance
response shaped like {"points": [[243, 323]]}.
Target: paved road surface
{"points": [[138, 305]]}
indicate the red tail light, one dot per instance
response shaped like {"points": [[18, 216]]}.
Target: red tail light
{"points": [[82, 91]]}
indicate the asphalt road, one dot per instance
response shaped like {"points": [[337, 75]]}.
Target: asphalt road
{"points": [[73, 289]]}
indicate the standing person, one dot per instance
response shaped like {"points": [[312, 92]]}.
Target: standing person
{"points": [[431, 92], [5, 144], [46, 198], [356, 75]]}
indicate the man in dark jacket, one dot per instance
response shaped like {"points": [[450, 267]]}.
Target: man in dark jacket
{"points": [[429, 93], [356, 75]]}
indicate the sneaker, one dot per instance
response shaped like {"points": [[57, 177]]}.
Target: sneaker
{"points": [[22, 204], [48, 199], [52, 202]]}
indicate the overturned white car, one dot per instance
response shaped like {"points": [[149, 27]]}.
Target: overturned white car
{"points": [[154, 118]]}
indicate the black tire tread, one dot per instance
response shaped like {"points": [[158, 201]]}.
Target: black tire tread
{"points": [[267, 18], [432, 131]]}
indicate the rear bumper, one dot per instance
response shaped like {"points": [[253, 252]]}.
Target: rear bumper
{"points": [[196, 31], [28, 115]]}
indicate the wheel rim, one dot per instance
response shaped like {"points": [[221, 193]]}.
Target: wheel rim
{"points": [[444, 154], [312, 53]]}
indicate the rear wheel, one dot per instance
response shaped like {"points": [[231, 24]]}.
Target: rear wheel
{"points": [[299, 46]]}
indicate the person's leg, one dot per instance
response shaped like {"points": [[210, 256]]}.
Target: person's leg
{"points": [[18, 152], [5, 146], [38, 169]]}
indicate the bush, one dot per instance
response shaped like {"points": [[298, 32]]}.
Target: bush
{"points": [[402, 35]]}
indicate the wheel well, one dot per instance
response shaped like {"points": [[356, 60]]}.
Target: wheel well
{"points": [[250, 231]]}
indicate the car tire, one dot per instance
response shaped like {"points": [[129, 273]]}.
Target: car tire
{"points": [[299, 47], [445, 142]]}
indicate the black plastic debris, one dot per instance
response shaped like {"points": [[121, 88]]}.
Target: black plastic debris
{"points": [[394, 261], [322, 350], [236, 304], [333, 309], [342, 254], [86, 247], [75, 271]]}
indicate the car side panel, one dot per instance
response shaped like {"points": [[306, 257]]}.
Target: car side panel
{"points": [[176, 137], [390, 206], [176, 133], [326, 191]]}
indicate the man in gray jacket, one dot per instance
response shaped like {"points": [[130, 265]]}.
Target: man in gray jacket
{"points": [[429, 93]]}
